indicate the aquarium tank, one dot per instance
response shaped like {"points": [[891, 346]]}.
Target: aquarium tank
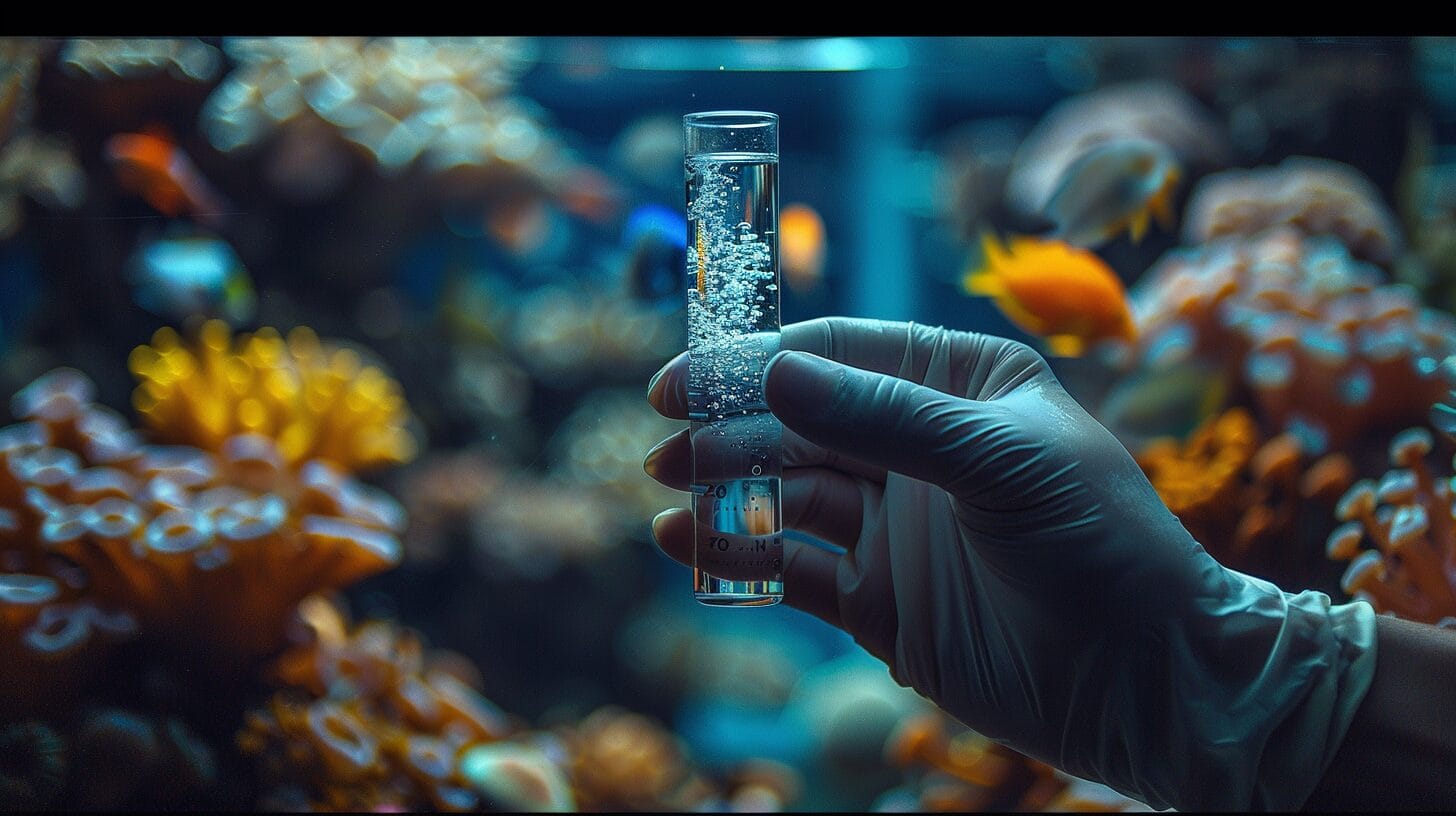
{"points": [[325, 365]]}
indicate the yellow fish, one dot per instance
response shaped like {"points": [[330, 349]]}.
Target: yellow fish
{"points": [[1061, 293], [1118, 185]]}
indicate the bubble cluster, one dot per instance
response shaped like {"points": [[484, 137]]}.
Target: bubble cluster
{"points": [[733, 309]]}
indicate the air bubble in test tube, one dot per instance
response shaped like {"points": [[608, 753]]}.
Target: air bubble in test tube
{"points": [[731, 166]]}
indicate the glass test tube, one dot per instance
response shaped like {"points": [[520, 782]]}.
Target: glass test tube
{"points": [[732, 161]]}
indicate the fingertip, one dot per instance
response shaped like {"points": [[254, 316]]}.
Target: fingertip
{"points": [[672, 530], [799, 383], [665, 391]]}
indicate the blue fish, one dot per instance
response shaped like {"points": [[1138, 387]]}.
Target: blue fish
{"points": [[656, 238], [188, 274]]}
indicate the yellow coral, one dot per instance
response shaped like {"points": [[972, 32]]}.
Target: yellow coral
{"points": [[314, 404]]}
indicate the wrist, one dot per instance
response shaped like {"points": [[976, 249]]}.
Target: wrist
{"points": [[1236, 700]]}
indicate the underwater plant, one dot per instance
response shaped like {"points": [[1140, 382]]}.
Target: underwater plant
{"points": [[315, 404]]}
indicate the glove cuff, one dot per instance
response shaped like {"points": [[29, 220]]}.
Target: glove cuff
{"points": [[1239, 703]]}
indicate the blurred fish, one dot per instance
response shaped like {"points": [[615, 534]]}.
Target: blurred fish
{"points": [[801, 246], [179, 276], [151, 165], [1061, 293], [1155, 402], [1118, 185], [656, 240]]}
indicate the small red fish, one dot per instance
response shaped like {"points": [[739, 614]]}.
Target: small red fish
{"points": [[151, 165]]}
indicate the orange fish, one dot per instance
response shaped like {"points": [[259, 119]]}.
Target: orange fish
{"points": [[801, 246], [151, 165], [1061, 293]]}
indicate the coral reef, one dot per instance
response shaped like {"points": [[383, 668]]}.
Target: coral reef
{"points": [[367, 720], [1306, 334], [31, 163], [205, 553], [1411, 571], [445, 101], [600, 445], [565, 334], [619, 760], [130, 57], [957, 770], [313, 403], [1317, 196], [1252, 502]]}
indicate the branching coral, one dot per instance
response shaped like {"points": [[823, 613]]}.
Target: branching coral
{"points": [[1249, 501], [313, 403], [1313, 339], [1318, 196], [1411, 572], [207, 553], [367, 720]]}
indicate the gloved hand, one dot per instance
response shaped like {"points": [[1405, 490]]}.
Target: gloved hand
{"points": [[1007, 558]]}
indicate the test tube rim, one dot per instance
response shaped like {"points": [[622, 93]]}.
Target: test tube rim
{"points": [[704, 118]]}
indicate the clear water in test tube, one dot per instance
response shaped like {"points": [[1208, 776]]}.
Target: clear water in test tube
{"points": [[731, 168]]}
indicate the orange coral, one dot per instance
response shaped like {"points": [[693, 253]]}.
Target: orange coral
{"points": [[1407, 514], [207, 553], [314, 404], [966, 772], [1309, 335], [366, 721], [1243, 497]]}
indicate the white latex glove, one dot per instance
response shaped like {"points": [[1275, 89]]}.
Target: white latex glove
{"points": [[1007, 558]]}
